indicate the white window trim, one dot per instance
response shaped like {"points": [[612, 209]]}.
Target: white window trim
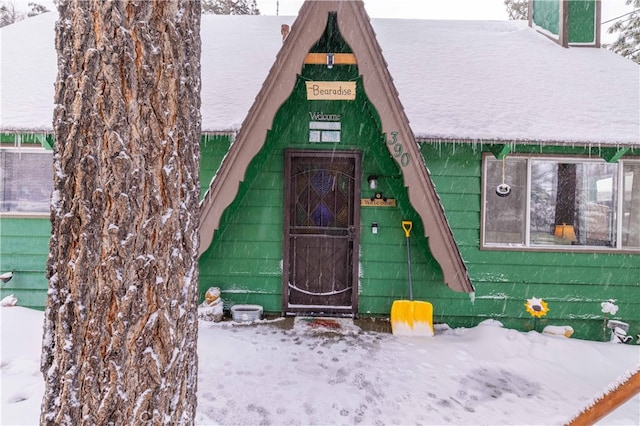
{"points": [[553, 248]]}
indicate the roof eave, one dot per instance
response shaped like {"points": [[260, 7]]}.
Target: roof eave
{"points": [[555, 142]]}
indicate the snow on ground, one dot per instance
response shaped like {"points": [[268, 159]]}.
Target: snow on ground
{"points": [[271, 373]]}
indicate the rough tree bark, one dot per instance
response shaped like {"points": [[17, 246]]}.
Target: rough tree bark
{"points": [[120, 327]]}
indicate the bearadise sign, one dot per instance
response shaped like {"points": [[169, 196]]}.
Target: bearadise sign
{"points": [[331, 90]]}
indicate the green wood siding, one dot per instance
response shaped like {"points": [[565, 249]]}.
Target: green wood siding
{"points": [[573, 284], [245, 258], [45, 140], [24, 248], [213, 148], [582, 21], [546, 14], [580, 16]]}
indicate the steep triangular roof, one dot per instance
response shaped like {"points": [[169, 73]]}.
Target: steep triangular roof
{"points": [[358, 33]]}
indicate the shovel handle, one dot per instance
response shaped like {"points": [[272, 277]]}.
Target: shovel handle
{"points": [[407, 225]]}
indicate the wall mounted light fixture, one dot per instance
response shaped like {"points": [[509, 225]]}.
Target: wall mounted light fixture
{"points": [[329, 60], [379, 196], [374, 228], [373, 181]]}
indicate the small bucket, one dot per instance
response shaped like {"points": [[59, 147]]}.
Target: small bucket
{"points": [[246, 313]]}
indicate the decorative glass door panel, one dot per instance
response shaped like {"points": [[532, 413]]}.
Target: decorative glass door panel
{"points": [[321, 232]]}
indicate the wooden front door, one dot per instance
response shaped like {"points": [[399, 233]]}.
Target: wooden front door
{"points": [[320, 271]]}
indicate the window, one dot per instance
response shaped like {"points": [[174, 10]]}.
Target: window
{"points": [[561, 203], [26, 180], [630, 235], [324, 131]]}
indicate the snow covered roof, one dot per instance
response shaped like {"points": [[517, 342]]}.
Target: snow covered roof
{"points": [[459, 80]]}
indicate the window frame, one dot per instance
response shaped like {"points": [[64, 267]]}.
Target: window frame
{"points": [[527, 245], [28, 150]]}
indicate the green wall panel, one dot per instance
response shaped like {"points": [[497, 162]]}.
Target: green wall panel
{"points": [[546, 14], [24, 249], [44, 140], [461, 202], [466, 237], [256, 213], [213, 148], [582, 21], [270, 302], [23, 262], [459, 185], [23, 227], [581, 18], [574, 284]]}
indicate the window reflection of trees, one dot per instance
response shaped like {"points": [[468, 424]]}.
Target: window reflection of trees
{"points": [[544, 182], [25, 181], [507, 224], [631, 206]]}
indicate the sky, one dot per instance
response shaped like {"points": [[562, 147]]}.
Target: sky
{"points": [[438, 9], [305, 372], [416, 9], [431, 9], [421, 9]]}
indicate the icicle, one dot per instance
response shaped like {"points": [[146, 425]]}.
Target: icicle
{"points": [[18, 144]]}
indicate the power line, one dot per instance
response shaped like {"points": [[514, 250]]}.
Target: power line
{"points": [[621, 22], [628, 13]]}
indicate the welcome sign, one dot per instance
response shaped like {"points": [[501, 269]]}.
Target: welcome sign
{"points": [[331, 90]]}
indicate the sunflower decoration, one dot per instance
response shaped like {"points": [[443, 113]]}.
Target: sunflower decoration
{"points": [[537, 307]]}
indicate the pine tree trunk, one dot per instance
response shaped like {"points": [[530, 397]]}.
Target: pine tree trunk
{"points": [[120, 328]]}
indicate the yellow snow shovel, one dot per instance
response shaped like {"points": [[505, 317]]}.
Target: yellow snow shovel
{"points": [[411, 317]]}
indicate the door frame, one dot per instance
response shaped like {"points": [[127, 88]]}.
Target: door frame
{"points": [[355, 256]]}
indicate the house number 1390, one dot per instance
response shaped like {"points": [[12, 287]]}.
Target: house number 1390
{"points": [[398, 150]]}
